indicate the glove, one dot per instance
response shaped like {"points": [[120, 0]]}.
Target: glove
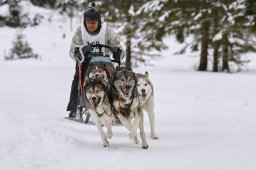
{"points": [[115, 50], [116, 53], [86, 50], [116, 57], [77, 54]]}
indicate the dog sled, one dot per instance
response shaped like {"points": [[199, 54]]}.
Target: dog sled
{"points": [[96, 55]]}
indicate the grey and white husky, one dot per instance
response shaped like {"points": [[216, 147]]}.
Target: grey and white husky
{"points": [[100, 71], [146, 94], [97, 103], [126, 103]]}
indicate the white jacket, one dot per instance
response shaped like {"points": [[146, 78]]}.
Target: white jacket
{"points": [[111, 38]]}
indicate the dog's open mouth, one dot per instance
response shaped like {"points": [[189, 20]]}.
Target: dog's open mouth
{"points": [[126, 92], [95, 103], [143, 96]]}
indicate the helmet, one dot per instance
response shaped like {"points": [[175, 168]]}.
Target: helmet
{"points": [[92, 13]]}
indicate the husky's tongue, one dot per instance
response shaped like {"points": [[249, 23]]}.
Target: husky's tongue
{"points": [[95, 103], [126, 92], [143, 96]]}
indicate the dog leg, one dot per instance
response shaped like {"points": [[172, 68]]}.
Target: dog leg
{"points": [[109, 131], [151, 116], [103, 137], [109, 121], [127, 123], [100, 129], [142, 133], [134, 138], [135, 125]]}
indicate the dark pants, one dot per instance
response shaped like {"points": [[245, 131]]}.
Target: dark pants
{"points": [[73, 100]]}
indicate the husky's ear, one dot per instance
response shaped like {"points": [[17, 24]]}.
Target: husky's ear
{"points": [[146, 74], [129, 67], [117, 68], [90, 80], [97, 78]]}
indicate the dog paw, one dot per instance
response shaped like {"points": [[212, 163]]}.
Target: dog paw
{"points": [[144, 146], [153, 136], [109, 135], [136, 140], [132, 135], [106, 144]]}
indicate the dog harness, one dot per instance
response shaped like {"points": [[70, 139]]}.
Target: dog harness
{"points": [[128, 106], [99, 115]]}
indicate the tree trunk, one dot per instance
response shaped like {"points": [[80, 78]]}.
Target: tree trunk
{"points": [[225, 57], [216, 57], [128, 42], [216, 44], [128, 51], [204, 46]]}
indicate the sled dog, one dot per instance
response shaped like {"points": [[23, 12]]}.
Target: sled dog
{"points": [[126, 103], [100, 71], [97, 102], [146, 95]]}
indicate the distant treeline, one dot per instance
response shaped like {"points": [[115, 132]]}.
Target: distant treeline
{"points": [[221, 30]]}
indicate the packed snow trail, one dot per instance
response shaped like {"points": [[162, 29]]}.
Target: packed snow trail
{"points": [[201, 124]]}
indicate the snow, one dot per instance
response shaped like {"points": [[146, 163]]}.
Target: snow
{"points": [[163, 17], [199, 15], [204, 120], [131, 11], [4, 10], [152, 6], [218, 36]]}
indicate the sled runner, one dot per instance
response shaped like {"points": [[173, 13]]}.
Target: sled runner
{"points": [[117, 123], [80, 120]]}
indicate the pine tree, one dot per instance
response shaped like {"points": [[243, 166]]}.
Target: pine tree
{"points": [[168, 17], [251, 13], [18, 18], [219, 25], [70, 8], [123, 15], [14, 20], [235, 36], [21, 49], [45, 3]]}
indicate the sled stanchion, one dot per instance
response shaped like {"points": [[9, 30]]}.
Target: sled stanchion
{"points": [[80, 77]]}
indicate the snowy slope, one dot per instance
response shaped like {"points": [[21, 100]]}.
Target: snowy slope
{"points": [[205, 121]]}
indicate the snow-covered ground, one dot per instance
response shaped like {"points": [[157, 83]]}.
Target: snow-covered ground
{"points": [[205, 121]]}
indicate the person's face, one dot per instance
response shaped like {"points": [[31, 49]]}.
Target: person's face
{"points": [[92, 25]]}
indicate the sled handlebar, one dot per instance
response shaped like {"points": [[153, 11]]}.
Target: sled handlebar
{"points": [[87, 49], [99, 46]]}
